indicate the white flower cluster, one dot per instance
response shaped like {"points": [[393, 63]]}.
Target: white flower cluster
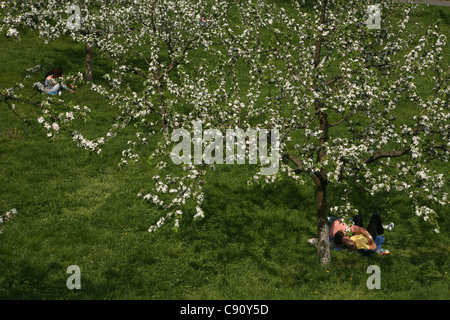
{"points": [[128, 154], [53, 123], [51, 129], [90, 145], [39, 86], [13, 33], [176, 191], [428, 215], [8, 216], [346, 210]]}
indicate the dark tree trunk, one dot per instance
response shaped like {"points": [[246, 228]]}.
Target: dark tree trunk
{"points": [[323, 244], [88, 63], [161, 103], [321, 182], [320, 177]]}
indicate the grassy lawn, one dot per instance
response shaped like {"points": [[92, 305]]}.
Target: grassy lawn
{"points": [[80, 209]]}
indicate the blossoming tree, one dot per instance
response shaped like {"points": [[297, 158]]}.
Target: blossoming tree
{"points": [[342, 91], [337, 91], [355, 105]]}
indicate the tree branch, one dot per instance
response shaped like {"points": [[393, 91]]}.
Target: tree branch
{"points": [[295, 161], [387, 154], [351, 114]]}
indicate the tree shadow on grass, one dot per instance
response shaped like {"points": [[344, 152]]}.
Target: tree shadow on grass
{"points": [[259, 227], [71, 56]]}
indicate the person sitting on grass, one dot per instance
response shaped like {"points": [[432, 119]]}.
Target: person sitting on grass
{"points": [[49, 83]]}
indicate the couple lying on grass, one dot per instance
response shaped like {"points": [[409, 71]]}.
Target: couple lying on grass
{"points": [[356, 237]]}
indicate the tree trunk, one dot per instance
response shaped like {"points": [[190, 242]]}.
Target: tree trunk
{"points": [[321, 181], [320, 177], [161, 103], [88, 63], [323, 243]]}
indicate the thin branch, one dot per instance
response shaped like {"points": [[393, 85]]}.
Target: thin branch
{"points": [[17, 115], [351, 114], [438, 146], [12, 97]]}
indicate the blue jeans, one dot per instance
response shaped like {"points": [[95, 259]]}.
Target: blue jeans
{"points": [[56, 88]]}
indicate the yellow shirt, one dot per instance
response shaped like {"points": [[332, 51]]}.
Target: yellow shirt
{"points": [[360, 241]]}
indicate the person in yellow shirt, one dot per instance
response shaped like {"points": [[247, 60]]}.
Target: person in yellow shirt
{"points": [[361, 240]]}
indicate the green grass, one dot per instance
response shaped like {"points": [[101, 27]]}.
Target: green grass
{"points": [[81, 209]]}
